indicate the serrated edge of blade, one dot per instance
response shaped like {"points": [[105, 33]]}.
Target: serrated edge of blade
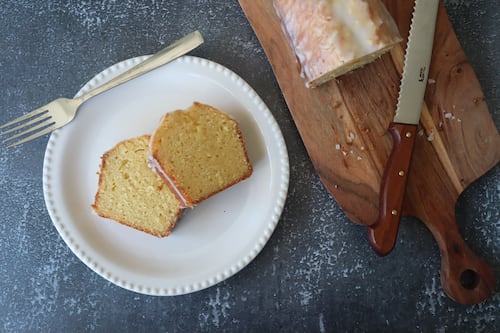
{"points": [[405, 63]]}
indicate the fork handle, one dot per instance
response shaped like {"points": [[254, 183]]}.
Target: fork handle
{"points": [[166, 55]]}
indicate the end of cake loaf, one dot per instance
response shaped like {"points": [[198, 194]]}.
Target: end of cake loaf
{"points": [[333, 37]]}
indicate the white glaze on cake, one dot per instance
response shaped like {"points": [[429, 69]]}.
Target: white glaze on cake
{"points": [[332, 37], [156, 167]]}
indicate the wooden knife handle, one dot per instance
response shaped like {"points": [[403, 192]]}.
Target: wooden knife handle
{"points": [[382, 235]]}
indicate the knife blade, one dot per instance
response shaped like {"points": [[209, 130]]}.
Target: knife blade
{"points": [[403, 129]]}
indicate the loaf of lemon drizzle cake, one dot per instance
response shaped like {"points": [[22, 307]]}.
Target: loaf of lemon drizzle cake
{"points": [[199, 152], [333, 37]]}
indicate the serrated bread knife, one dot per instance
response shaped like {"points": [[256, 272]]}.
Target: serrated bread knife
{"points": [[403, 129]]}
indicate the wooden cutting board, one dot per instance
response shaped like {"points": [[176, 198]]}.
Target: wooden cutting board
{"points": [[344, 123]]}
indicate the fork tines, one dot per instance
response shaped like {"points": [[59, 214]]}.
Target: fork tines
{"points": [[32, 121]]}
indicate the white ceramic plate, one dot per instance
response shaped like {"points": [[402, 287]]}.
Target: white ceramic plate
{"points": [[211, 242]]}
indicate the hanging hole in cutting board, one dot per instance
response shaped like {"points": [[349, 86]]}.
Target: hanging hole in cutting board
{"points": [[469, 279]]}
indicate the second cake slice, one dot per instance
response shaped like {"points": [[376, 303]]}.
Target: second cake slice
{"points": [[130, 193], [199, 152]]}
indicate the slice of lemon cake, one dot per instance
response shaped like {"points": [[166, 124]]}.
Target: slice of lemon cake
{"points": [[199, 152], [129, 192]]}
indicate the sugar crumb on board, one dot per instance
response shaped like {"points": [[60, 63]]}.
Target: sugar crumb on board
{"points": [[430, 137], [450, 116], [351, 137]]}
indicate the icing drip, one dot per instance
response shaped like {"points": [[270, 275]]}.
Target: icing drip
{"points": [[156, 167]]}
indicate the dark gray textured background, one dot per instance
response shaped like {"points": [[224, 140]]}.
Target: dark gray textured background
{"points": [[316, 274]]}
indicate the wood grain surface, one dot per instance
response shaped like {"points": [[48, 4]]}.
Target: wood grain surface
{"points": [[344, 123]]}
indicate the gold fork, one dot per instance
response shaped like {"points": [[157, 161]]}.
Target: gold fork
{"points": [[62, 110]]}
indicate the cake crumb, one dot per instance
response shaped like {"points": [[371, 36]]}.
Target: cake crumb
{"points": [[336, 104], [430, 137], [431, 81]]}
